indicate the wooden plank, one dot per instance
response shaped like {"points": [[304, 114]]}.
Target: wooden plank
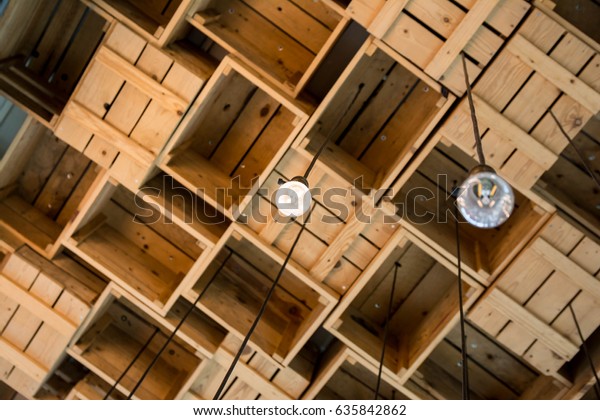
{"points": [[460, 37], [24, 362], [105, 130], [577, 275], [555, 73], [37, 307], [519, 138], [386, 17], [531, 324]]}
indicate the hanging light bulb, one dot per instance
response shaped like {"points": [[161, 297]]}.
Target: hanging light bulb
{"points": [[485, 199], [293, 197]]}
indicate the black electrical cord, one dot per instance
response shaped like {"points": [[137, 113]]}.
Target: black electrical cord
{"points": [[463, 337], [174, 332], [135, 358], [385, 330], [478, 145], [587, 353], [260, 313], [579, 154]]}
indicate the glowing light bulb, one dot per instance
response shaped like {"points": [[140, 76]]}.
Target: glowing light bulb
{"points": [[293, 197], [485, 200]]}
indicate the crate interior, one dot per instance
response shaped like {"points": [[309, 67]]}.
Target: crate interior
{"points": [[494, 372], [42, 182], [224, 148], [151, 16], [241, 276], [425, 202], [48, 46], [116, 336], [299, 33], [353, 381], [375, 119], [425, 303], [186, 209], [568, 184], [147, 254]]}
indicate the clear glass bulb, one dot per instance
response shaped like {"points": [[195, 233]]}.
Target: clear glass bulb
{"points": [[486, 200], [293, 198]]}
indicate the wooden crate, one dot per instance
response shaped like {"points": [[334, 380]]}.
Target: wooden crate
{"points": [[92, 387], [147, 254], [422, 195], [242, 272], [233, 136], [494, 373], [546, 66], [129, 101], [526, 308], [255, 376], [343, 233], [568, 185], [343, 375], [118, 328], [285, 40], [198, 218], [47, 45], [376, 116], [42, 183], [157, 21], [425, 305], [42, 305], [432, 34]]}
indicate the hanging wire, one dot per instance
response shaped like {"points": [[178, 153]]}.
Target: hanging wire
{"points": [[478, 145], [260, 313], [174, 332], [385, 330], [463, 337], [587, 353], [136, 357], [579, 154]]}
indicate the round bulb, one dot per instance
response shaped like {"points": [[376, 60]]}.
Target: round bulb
{"points": [[293, 198], [485, 200]]}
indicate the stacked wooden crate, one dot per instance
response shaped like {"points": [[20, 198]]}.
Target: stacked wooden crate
{"points": [[42, 305]]}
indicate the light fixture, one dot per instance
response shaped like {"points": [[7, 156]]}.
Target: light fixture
{"points": [[293, 198], [484, 199]]}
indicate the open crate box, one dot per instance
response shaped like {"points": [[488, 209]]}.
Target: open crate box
{"points": [[422, 195], [425, 305], [343, 375], [240, 276], [42, 183], [376, 116], [147, 254], [494, 372], [233, 136], [47, 46], [255, 376], [285, 40], [120, 326]]}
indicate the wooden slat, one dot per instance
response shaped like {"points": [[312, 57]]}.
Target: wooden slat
{"points": [[531, 324], [573, 272], [20, 359], [555, 73], [461, 35], [386, 17]]}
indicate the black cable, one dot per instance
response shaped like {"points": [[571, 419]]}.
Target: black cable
{"points": [[385, 330], [189, 311], [478, 145], [135, 358], [260, 313], [579, 154], [587, 353], [463, 337]]}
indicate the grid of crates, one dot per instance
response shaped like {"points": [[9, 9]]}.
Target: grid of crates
{"points": [[142, 180]]}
